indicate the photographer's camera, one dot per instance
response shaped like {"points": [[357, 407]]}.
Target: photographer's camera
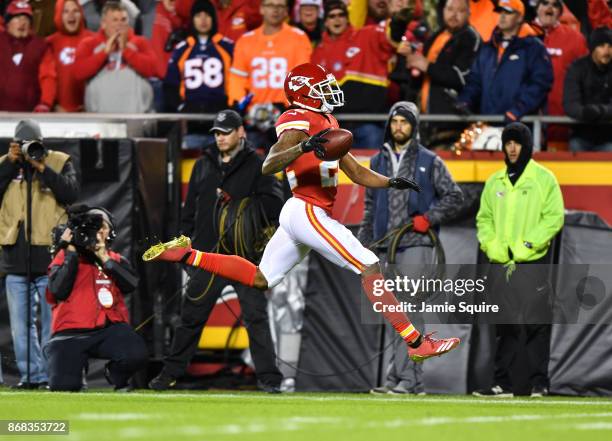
{"points": [[34, 150]]}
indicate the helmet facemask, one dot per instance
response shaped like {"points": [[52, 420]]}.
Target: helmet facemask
{"points": [[329, 93]]}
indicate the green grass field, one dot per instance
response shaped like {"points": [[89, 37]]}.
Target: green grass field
{"points": [[257, 416]]}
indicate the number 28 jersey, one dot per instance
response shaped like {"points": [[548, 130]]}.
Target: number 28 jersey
{"points": [[311, 179]]}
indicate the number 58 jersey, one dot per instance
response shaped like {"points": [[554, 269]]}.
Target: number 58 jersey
{"points": [[200, 69], [311, 179]]}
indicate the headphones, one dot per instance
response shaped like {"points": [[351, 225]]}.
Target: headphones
{"points": [[108, 218], [96, 211]]}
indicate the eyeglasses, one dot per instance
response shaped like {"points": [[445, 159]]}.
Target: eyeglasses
{"points": [[554, 4], [339, 15], [272, 6]]}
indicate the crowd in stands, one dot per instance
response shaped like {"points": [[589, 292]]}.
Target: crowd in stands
{"points": [[492, 57]]}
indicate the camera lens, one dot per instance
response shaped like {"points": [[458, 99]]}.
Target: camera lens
{"points": [[33, 149]]}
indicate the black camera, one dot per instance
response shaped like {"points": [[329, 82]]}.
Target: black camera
{"points": [[85, 227], [34, 150]]}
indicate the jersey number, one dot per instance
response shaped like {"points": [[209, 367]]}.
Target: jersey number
{"points": [[269, 73], [208, 72], [328, 171]]}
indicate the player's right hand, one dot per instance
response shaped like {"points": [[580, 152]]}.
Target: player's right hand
{"points": [[315, 143]]}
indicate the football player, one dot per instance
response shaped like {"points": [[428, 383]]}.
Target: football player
{"points": [[305, 221]]}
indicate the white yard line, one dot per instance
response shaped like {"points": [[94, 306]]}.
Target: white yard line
{"points": [[595, 425], [122, 416]]}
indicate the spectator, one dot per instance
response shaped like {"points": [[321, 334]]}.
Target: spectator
{"points": [[365, 83], [309, 20], [512, 73], [335, 41], [227, 175], [94, 13], [54, 185], [235, 17], [483, 17], [588, 94], [443, 67], [387, 209], [521, 211], [447, 58], [167, 32], [61, 92], [87, 282], [564, 45], [197, 77], [116, 64], [263, 57], [21, 53]]}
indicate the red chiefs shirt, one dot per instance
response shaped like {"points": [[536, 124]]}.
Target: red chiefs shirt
{"points": [[331, 52], [564, 45], [310, 179], [57, 82]]}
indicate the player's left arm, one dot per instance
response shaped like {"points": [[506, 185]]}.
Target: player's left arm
{"points": [[362, 175], [369, 178]]}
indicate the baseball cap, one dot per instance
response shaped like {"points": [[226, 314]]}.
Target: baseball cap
{"points": [[226, 121], [17, 7], [511, 5]]}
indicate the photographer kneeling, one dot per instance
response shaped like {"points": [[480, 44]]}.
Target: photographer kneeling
{"points": [[87, 282]]}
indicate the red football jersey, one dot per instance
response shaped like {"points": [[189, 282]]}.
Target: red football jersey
{"points": [[310, 179]]}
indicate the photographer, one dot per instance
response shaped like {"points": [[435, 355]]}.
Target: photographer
{"points": [[87, 282], [54, 185]]}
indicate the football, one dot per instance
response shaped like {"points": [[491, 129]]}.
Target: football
{"points": [[339, 142]]}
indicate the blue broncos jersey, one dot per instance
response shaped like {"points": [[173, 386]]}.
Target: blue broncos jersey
{"points": [[200, 69]]}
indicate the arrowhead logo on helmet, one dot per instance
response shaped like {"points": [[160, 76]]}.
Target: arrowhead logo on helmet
{"points": [[297, 82], [311, 87]]}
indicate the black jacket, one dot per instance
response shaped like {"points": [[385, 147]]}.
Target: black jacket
{"points": [[239, 178], [447, 75], [65, 187], [587, 96]]}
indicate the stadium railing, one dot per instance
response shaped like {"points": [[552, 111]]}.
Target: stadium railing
{"points": [[132, 121]]}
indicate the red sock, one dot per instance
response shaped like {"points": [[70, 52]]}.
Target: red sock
{"points": [[398, 320], [231, 267]]}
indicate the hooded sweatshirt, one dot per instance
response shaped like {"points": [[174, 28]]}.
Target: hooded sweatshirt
{"points": [[519, 133], [57, 81], [386, 209]]}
